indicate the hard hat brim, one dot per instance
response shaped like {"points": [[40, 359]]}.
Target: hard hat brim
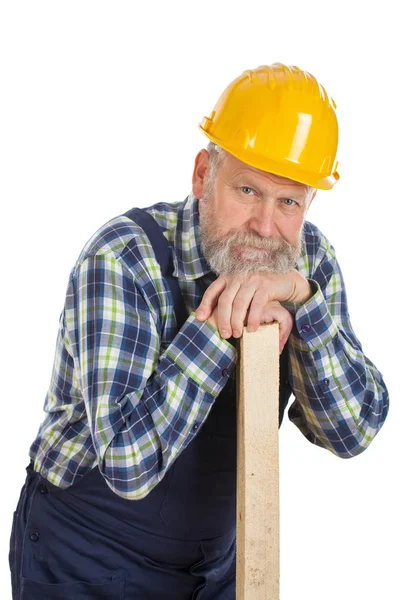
{"points": [[288, 169]]}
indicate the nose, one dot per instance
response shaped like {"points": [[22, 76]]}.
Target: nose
{"points": [[263, 220]]}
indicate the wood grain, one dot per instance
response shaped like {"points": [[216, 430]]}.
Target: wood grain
{"points": [[257, 569]]}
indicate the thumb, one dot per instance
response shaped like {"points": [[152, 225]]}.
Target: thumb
{"points": [[210, 299]]}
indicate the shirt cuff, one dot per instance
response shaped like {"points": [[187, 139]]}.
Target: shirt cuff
{"points": [[314, 326], [201, 354]]}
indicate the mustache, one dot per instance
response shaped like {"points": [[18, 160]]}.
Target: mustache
{"points": [[221, 248], [249, 238]]}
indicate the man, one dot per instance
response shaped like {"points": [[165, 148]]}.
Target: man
{"points": [[131, 488]]}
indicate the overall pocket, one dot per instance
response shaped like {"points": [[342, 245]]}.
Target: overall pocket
{"points": [[65, 553], [18, 530]]}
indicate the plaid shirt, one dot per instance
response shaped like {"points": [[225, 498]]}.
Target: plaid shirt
{"points": [[129, 391]]}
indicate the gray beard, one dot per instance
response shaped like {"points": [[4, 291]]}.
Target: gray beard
{"points": [[220, 250]]}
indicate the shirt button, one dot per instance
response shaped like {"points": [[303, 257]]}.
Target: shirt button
{"points": [[195, 427], [225, 372], [306, 328], [34, 536], [43, 489], [326, 382]]}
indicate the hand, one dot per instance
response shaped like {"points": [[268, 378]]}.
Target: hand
{"points": [[240, 297], [273, 311]]}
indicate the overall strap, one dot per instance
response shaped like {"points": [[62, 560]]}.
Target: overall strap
{"points": [[163, 253]]}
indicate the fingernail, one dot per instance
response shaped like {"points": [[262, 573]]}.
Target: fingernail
{"points": [[236, 334], [224, 333]]}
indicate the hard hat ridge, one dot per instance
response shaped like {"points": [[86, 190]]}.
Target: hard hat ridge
{"points": [[279, 119]]}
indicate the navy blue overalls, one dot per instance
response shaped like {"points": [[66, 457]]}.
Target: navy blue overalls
{"points": [[178, 543]]}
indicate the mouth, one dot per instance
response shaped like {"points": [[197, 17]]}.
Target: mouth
{"points": [[241, 250], [247, 247]]}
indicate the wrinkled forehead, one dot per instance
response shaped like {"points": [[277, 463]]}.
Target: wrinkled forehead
{"points": [[235, 169]]}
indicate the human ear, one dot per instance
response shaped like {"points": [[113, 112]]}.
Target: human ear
{"points": [[201, 164]]}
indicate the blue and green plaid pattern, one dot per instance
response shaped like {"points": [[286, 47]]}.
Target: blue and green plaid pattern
{"points": [[128, 391]]}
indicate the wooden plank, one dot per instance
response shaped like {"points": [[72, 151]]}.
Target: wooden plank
{"points": [[257, 567]]}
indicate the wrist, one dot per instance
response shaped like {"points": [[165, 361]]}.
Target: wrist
{"points": [[304, 290]]}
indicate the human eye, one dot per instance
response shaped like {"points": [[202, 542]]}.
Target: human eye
{"points": [[247, 190], [289, 202]]}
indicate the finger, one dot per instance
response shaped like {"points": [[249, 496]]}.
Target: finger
{"points": [[210, 299], [275, 312], [285, 321], [241, 307], [285, 328], [257, 308], [225, 302]]}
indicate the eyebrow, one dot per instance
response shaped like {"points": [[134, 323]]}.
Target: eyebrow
{"points": [[294, 194]]}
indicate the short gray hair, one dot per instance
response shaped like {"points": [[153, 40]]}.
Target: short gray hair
{"points": [[216, 155]]}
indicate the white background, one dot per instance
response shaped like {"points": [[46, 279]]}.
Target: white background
{"points": [[100, 103]]}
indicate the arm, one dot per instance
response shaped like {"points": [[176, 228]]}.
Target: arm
{"points": [[341, 399], [143, 406]]}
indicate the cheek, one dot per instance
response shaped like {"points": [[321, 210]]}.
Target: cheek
{"points": [[234, 215], [290, 228], [235, 218], [230, 212]]}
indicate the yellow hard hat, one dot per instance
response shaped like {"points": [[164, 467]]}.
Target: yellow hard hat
{"points": [[278, 119]]}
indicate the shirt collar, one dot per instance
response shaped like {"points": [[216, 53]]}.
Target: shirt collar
{"points": [[189, 262]]}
